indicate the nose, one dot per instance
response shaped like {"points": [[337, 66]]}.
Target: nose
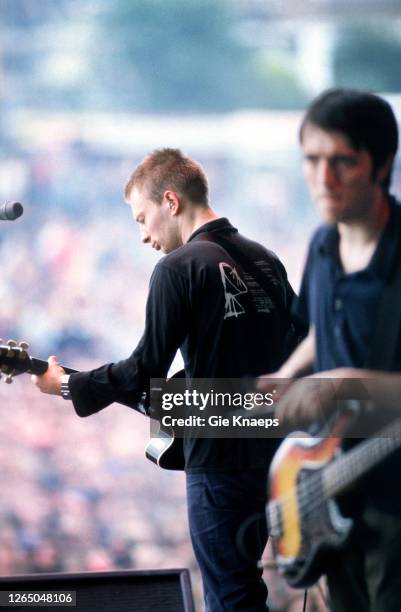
{"points": [[145, 238], [327, 174]]}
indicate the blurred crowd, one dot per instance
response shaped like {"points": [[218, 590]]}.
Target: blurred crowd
{"points": [[78, 494], [74, 276]]}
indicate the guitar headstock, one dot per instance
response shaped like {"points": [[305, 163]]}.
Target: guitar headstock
{"points": [[14, 359]]}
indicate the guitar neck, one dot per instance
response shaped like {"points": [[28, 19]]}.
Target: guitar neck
{"points": [[346, 470], [38, 366]]}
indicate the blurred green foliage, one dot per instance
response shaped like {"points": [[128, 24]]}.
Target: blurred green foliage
{"points": [[368, 57], [284, 87], [185, 55]]}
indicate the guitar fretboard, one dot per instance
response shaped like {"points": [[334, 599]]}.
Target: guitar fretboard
{"points": [[38, 366], [343, 472]]}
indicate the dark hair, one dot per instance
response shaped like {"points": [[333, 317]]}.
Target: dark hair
{"points": [[169, 169], [365, 119]]}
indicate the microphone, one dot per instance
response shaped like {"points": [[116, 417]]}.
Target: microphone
{"points": [[10, 211]]}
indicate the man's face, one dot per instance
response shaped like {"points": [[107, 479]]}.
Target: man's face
{"points": [[340, 179], [157, 226]]}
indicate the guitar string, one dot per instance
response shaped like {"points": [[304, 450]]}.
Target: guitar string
{"points": [[385, 443], [308, 487], [315, 485], [276, 519]]}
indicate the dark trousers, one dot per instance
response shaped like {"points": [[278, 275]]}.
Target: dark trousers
{"points": [[366, 576], [228, 531]]}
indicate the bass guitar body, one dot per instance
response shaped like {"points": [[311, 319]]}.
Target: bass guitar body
{"points": [[305, 524]]}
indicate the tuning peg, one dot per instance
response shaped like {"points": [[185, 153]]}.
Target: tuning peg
{"points": [[11, 344], [24, 346]]}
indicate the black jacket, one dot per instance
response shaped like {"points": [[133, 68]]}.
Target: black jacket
{"points": [[202, 302]]}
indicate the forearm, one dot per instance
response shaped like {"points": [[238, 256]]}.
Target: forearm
{"points": [[92, 391], [382, 388], [301, 360]]}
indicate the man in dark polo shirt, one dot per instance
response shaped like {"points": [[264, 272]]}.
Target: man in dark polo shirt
{"points": [[349, 140], [227, 323]]}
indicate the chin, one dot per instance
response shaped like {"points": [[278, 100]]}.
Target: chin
{"points": [[330, 212], [329, 217]]}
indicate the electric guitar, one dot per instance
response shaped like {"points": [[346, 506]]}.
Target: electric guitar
{"points": [[163, 449], [306, 475]]}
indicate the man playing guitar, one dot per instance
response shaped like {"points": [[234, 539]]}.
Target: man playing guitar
{"points": [[202, 302], [349, 140]]}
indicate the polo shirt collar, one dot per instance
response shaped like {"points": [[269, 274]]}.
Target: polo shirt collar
{"points": [[385, 255], [328, 241], [217, 225]]}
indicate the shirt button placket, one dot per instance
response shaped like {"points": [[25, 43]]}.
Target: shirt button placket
{"points": [[338, 304]]}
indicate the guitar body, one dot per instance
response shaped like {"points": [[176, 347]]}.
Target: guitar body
{"points": [[166, 451], [305, 524]]}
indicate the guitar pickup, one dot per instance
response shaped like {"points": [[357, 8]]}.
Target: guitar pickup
{"points": [[274, 519]]}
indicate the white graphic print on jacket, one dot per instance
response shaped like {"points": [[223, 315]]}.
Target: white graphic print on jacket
{"points": [[233, 287]]}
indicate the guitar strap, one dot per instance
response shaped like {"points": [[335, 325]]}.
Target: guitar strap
{"points": [[293, 334], [387, 333], [270, 288]]}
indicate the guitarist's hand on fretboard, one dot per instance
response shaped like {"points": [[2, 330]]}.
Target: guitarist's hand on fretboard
{"points": [[50, 381]]}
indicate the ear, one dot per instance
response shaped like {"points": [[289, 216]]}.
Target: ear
{"points": [[173, 202], [384, 171]]}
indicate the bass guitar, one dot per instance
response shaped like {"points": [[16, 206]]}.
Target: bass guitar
{"points": [[163, 448], [306, 476]]}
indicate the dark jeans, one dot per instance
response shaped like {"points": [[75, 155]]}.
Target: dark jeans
{"points": [[366, 576], [219, 506]]}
